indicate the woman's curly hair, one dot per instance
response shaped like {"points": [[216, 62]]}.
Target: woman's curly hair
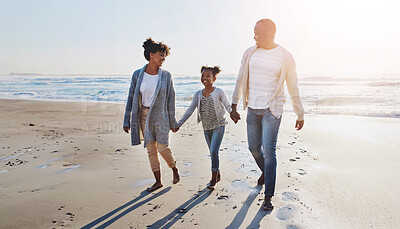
{"points": [[215, 70], [151, 46]]}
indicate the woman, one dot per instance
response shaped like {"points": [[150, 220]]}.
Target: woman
{"points": [[150, 109]]}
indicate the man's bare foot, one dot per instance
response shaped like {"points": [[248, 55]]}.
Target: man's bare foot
{"points": [[213, 181], [261, 180], [176, 178], [267, 205]]}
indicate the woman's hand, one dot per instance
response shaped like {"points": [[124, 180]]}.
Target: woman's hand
{"points": [[127, 128], [299, 124]]}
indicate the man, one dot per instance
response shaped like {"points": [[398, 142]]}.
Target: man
{"points": [[264, 69]]}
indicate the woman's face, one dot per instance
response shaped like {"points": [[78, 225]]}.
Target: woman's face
{"points": [[207, 78], [157, 58]]}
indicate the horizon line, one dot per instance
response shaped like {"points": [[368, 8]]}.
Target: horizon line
{"points": [[188, 74]]}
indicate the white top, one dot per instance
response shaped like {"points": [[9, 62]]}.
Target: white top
{"points": [[147, 88], [264, 71]]}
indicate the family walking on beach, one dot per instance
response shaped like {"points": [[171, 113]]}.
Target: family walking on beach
{"points": [[150, 108]]}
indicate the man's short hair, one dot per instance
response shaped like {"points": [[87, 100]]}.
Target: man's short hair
{"points": [[268, 24]]}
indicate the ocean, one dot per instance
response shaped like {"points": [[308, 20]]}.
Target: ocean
{"points": [[377, 96]]}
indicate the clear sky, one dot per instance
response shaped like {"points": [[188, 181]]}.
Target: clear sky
{"points": [[98, 36]]}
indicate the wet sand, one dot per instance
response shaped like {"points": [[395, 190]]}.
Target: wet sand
{"points": [[70, 165]]}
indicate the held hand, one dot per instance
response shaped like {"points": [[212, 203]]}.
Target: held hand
{"points": [[175, 129], [235, 116], [126, 129], [299, 124]]}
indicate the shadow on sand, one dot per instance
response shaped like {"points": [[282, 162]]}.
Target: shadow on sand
{"points": [[255, 223], [177, 214], [126, 211], [241, 215]]}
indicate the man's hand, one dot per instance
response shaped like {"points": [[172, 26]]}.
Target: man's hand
{"points": [[127, 128], [175, 129], [235, 116], [299, 124]]}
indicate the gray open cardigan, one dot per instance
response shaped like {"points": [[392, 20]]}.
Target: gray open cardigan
{"points": [[161, 116]]}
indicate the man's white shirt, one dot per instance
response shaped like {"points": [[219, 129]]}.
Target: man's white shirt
{"points": [[264, 71]]}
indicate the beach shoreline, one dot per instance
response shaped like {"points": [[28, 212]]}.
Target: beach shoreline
{"points": [[69, 164]]}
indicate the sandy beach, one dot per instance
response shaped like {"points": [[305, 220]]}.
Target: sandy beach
{"points": [[70, 165]]}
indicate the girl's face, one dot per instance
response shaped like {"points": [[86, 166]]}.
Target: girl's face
{"points": [[207, 78]]}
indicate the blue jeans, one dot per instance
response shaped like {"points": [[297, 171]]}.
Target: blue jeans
{"points": [[214, 139], [262, 134]]}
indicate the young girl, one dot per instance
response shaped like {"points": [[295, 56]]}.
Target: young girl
{"points": [[210, 103]]}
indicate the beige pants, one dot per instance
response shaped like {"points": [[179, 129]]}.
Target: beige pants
{"points": [[154, 147]]}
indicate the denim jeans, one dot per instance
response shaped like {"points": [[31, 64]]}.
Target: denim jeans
{"points": [[262, 134], [214, 139]]}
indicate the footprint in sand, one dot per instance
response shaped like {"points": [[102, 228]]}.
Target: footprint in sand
{"points": [[302, 172], [142, 183], [186, 174], [63, 222], [155, 207], [289, 196], [71, 168], [17, 162], [291, 143], [241, 185], [285, 212], [11, 157]]}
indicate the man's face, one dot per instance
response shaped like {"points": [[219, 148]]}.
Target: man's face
{"points": [[261, 35]]}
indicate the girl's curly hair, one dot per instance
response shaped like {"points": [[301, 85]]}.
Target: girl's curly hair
{"points": [[151, 46], [215, 70]]}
